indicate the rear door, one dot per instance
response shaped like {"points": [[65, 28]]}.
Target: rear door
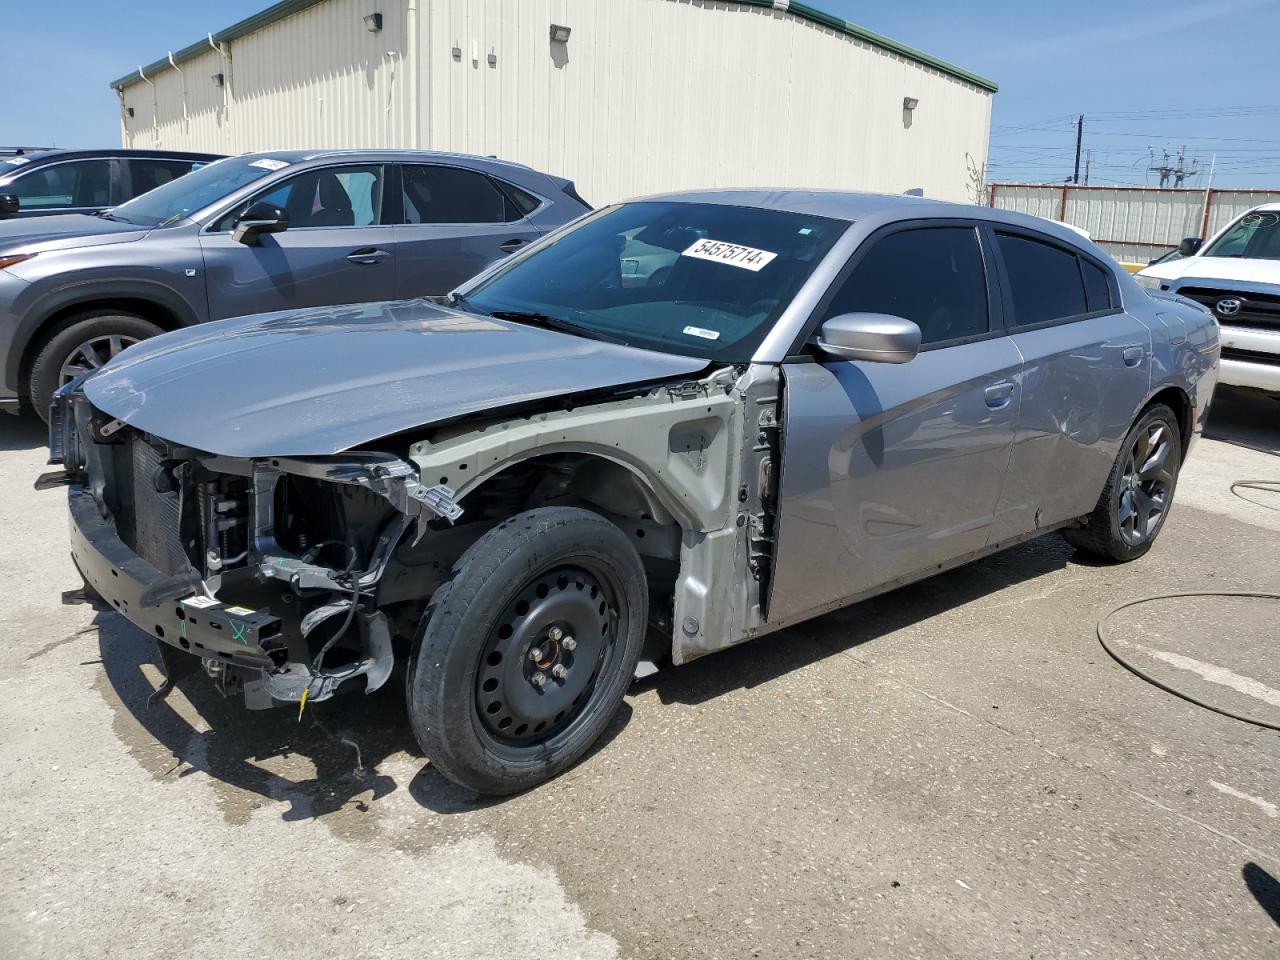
{"points": [[66, 186], [893, 469], [1086, 373], [339, 247], [456, 222]]}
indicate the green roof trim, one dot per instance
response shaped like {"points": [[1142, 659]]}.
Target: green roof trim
{"points": [[824, 19], [286, 8]]}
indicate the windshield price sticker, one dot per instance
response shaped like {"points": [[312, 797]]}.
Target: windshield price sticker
{"points": [[266, 164], [702, 332], [736, 255], [15, 161]]}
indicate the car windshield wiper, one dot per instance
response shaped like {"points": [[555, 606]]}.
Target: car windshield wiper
{"points": [[537, 319], [108, 215]]}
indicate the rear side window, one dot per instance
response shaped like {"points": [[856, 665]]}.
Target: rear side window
{"points": [[451, 195], [1045, 280], [523, 202], [79, 183], [933, 277], [1097, 289]]}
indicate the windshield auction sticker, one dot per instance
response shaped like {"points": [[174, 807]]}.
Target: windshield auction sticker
{"points": [[267, 164], [734, 254]]}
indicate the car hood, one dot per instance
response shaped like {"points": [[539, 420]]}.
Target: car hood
{"points": [[25, 234], [320, 381], [1231, 269]]}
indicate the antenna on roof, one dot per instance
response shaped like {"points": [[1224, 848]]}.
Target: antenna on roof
{"points": [[914, 192]]}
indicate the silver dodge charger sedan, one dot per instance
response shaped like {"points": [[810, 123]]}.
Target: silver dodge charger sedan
{"points": [[675, 425]]}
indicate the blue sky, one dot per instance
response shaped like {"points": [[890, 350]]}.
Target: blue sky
{"points": [[1146, 77]]}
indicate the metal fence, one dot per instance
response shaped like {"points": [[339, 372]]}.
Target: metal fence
{"points": [[1133, 224]]}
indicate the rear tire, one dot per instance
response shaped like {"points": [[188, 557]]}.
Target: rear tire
{"points": [[527, 650], [1139, 493], [80, 343]]}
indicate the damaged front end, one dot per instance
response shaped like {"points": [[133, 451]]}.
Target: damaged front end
{"points": [[273, 572]]}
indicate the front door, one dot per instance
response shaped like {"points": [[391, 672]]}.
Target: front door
{"points": [[338, 248], [456, 222], [894, 469]]}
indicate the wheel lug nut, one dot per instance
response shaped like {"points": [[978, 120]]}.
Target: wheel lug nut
{"points": [[535, 654], [555, 633], [539, 679], [559, 672], [569, 644]]}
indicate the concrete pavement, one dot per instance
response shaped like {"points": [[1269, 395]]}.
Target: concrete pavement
{"points": [[954, 769]]}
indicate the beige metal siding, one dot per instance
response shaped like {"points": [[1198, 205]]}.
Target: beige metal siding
{"points": [[316, 79], [655, 95], [646, 96]]}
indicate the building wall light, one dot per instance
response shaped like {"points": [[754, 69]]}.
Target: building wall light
{"points": [[373, 22], [559, 33], [219, 80], [910, 103]]}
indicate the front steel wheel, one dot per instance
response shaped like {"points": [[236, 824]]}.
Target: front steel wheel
{"points": [[1139, 491], [526, 652]]}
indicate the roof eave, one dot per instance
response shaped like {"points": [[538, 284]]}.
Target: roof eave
{"points": [[286, 8]]}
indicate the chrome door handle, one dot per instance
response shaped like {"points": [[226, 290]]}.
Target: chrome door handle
{"points": [[512, 245], [1133, 356], [367, 255], [999, 394]]}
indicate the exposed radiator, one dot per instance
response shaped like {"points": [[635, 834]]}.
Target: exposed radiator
{"points": [[155, 514]]}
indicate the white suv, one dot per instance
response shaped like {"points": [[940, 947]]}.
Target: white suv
{"points": [[1236, 274]]}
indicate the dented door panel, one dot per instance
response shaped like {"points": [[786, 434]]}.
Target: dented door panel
{"points": [[889, 469]]}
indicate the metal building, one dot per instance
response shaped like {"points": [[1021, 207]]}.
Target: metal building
{"points": [[626, 97]]}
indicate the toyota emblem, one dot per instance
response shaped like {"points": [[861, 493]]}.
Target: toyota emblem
{"points": [[1228, 307]]}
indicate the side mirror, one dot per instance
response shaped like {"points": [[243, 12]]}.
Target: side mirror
{"points": [[8, 204], [1189, 246], [260, 218], [870, 336]]}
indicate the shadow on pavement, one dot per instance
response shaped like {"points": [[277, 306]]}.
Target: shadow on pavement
{"points": [[850, 627], [311, 767], [24, 432], [1249, 418], [1265, 889]]}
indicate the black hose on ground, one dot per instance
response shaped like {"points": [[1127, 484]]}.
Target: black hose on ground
{"points": [[1138, 671]]}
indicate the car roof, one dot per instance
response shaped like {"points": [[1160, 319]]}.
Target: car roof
{"points": [[1268, 207], [878, 207], [55, 153], [301, 156]]}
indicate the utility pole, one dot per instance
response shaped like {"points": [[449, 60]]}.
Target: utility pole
{"points": [[1075, 177]]}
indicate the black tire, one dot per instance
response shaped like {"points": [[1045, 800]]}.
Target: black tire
{"points": [[554, 569], [100, 326], [1139, 493]]}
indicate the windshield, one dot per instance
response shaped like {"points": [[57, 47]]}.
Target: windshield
{"points": [[1256, 235], [180, 198], [697, 279]]}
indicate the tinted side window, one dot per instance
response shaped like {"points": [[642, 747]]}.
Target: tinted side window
{"points": [[1045, 280], [932, 276], [146, 175], [525, 203], [333, 197], [1096, 287], [81, 183], [451, 195]]}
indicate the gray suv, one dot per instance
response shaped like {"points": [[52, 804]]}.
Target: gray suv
{"points": [[252, 234]]}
